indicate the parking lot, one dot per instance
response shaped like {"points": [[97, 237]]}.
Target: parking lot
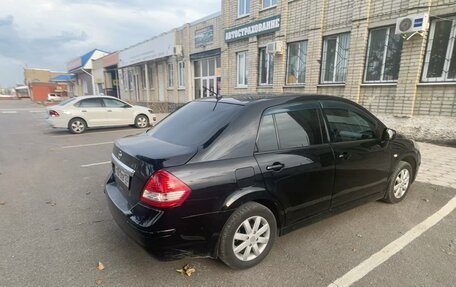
{"points": [[55, 224]]}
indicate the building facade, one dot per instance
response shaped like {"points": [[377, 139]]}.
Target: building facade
{"points": [[173, 68], [105, 75], [343, 47], [83, 82]]}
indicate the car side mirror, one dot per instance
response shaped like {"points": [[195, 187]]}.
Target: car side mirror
{"points": [[127, 106], [388, 134]]}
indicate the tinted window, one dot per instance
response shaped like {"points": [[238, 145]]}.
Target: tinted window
{"points": [[90, 103], [267, 139], [64, 102], [348, 123], [111, 103], [297, 126], [196, 123]]}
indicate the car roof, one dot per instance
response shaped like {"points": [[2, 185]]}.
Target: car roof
{"points": [[95, 96], [245, 99]]}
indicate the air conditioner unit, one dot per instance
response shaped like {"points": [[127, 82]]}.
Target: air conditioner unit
{"points": [[178, 50], [275, 47], [412, 23]]}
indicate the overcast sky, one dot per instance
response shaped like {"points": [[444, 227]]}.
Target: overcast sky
{"points": [[49, 33]]}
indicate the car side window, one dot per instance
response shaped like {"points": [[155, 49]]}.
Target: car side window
{"points": [[112, 103], [90, 103], [288, 127], [267, 137], [347, 123]]}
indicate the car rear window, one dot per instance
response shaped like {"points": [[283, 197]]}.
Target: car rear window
{"points": [[64, 102], [196, 123]]}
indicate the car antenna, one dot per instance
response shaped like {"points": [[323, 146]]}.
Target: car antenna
{"points": [[217, 96]]}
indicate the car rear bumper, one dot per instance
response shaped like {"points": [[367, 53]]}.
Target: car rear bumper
{"points": [[57, 122], [161, 234]]}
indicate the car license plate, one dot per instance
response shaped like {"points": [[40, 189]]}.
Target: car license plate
{"points": [[122, 176]]}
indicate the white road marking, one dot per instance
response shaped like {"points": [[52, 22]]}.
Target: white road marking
{"points": [[95, 164], [9, 112], [84, 145], [37, 111], [394, 247]]}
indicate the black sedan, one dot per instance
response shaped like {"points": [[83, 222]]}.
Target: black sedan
{"points": [[224, 177]]}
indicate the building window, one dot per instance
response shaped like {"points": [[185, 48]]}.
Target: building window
{"points": [[266, 70], [170, 75], [242, 71], [150, 75], [335, 56], [383, 55], [440, 61], [143, 77], [243, 7], [269, 3], [296, 63], [181, 69]]}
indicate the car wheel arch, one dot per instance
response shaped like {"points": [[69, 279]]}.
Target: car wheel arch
{"points": [[410, 159], [81, 118], [258, 195]]}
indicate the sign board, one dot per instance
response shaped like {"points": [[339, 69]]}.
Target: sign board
{"points": [[263, 26], [204, 36], [158, 47]]}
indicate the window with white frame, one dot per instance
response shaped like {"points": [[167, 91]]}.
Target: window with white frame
{"points": [[269, 3], [242, 69], [170, 75], [150, 75], [243, 7], [296, 62], [440, 61], [335, 56], [143, 77], [383, 55], [181, 70], [266, 67]]}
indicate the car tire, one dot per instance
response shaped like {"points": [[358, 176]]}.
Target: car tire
{"points": [[250, 247], [77, 126], [400, 182], [141, 121]]}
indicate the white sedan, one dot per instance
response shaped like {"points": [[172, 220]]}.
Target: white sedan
{"points": [[79, 113]]}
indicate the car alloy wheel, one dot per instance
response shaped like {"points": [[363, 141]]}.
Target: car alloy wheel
{"points": [[142, 122], [401, 183], [251, 238], [77, 126]]}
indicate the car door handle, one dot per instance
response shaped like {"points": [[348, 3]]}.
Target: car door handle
{"points": [[84, 111], [275, 166], [109, 111], [343, 155]]}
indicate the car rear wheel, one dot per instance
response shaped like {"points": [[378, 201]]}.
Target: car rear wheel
{"points": [[141, 121], [77, 126], [247, 236], [400, 183]]}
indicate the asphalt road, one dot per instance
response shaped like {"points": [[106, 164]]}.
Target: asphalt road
{"points": [[55, 225]]}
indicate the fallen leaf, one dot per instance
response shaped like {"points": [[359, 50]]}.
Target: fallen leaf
{"points": [[100, 266], [359, 235], [186, 270], [99, 281], [51, 203], [425, 200]]}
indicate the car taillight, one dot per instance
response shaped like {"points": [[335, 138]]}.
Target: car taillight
{"points": [[53, 113], [164, 190]]}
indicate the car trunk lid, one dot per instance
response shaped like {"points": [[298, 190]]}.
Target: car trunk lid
{"points": [[135, 158]]}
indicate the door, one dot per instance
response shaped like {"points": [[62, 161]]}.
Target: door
{"points": [[161, 83], [93, 112], [118, 112], [362, 160], [296, 162]]}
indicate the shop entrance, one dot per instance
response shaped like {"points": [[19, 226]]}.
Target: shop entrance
{"points": [[206, 73]]}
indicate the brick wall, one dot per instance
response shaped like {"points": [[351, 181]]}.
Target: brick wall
{"points": [[311, 21]]}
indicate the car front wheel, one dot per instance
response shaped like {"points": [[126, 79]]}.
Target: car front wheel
{"points": [[247, 236], [400, 182], [141, 121]]}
